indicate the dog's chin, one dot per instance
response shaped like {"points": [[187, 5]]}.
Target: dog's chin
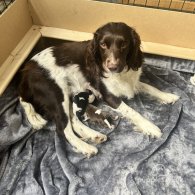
{"points": [[117, 71], [108, 71], [122, 69]]}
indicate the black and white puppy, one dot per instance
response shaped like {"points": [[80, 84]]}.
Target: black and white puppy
{"points": [[110, 62], [85, 111], [80, 103]]}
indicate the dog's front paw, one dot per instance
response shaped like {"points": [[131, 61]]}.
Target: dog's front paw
{"points": [[148, 128], [168, 98]]}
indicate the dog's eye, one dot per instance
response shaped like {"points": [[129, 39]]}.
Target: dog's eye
{"points": [[103, 45], [123, 44]]}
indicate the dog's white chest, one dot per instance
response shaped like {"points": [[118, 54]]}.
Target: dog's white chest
{"points": [[123, 84]]}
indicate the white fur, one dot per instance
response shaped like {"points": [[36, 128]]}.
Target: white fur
{"points": [[34, 118], [141, 123], [94, 91], [87, 133], [162, 97], [75, 108], [123, 84], [108, 124], [99, 111], [127, 84], [63, 75], [81, 98], [91, 98], [76, 142]]}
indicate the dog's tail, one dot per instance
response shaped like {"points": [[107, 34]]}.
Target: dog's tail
{"points": [[35, 119]]}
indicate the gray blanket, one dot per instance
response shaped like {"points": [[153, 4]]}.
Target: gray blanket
{"points": [[40, 162]]}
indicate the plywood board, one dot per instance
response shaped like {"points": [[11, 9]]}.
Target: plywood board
{"points": [[23, 49], [65, 34], [18, 56], [14, 23], [154, 25], [147, 47]]}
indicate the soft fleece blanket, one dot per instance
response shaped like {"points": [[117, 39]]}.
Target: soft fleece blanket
{"points": [[40, 162]]}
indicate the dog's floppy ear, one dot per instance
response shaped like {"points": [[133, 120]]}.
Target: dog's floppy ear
{"points": [[135, 56], [93, 58], [95, 46]]}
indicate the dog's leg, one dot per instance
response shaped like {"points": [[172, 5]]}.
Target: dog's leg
{"points": [[137, 119], [141, 123], [35, 119], [87, 133], [76, 142], [162, 97]]}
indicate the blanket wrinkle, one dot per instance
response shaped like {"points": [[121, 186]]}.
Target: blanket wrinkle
{"points": [[162, 140], [18, 164], [46, 173], [42, 162], [37, 171], [68, 168]]}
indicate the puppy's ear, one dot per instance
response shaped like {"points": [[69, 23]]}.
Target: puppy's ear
{"points": [[135, 56]]}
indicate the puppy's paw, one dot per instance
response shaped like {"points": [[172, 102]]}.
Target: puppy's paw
{"points": [[168, 98], [148, 128]]}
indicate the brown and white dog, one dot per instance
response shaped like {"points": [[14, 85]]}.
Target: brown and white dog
{"points": [[110, 62]]}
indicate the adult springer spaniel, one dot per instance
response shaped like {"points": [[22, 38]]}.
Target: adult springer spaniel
{"points": [[109, 65]]}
